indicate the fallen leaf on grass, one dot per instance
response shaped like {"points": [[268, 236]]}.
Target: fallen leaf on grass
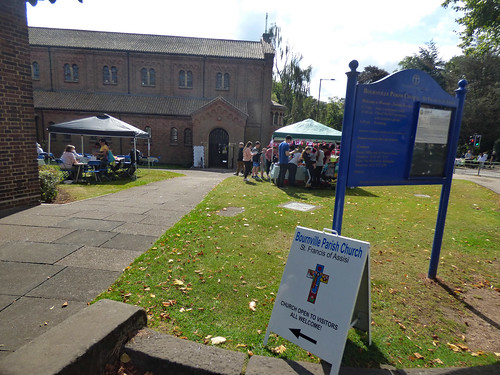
{"points": [[453, 347], [418, 355], [170, 302], [178, 282], [279, 349], [241, 346], [438, 361], [250, 353], [252, 305], [401, 325], [218, 340]]}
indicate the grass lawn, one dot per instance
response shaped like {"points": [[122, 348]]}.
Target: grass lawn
{"points": [[74, 192], [200, 277]]}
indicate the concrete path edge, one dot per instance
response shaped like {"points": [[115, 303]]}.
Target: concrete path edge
{"points": [[82, 344]]}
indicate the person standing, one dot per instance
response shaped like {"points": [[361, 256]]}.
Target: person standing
{"points": [[256, 153], [269, 156], [292, 166], [320, 155], [247, 160], [283, 154], [240, 166], [310, 160]]}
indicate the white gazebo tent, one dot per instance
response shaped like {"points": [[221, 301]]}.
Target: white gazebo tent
{"points": [[101, 125]]}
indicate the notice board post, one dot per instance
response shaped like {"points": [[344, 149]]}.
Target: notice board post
{"points": [[352, 79], [401, 130], [445, 191]]}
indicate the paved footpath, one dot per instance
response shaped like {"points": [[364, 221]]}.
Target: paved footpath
{"points": [[54, 259]]}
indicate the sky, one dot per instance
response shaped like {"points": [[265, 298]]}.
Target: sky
{"points": [[327, 33]]}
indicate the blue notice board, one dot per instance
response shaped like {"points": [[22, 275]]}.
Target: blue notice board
{"points": [[400, 131]]}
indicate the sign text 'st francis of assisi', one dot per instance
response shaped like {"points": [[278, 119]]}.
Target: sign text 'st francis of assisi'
{"points": [[322, 269]]}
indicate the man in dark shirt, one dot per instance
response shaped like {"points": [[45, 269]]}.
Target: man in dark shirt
{"points": [[240, 166], [283, 153]]}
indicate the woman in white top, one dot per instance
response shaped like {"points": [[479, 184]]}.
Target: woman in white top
{"points": [[69, 160]]}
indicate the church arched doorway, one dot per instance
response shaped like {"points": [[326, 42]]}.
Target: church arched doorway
{"points": [[218, 148]]}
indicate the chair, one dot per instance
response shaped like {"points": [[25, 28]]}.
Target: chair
{"points": [[67, 172], [94, 168]]}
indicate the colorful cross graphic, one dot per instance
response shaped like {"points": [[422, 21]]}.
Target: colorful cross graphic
{"points": [[318, 277]]}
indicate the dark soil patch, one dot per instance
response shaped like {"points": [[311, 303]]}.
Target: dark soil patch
{"points": [[63, 197]]}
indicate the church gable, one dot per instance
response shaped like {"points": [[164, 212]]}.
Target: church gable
{"points": [[219, 109]]}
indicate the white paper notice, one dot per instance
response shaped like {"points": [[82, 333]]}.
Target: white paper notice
{"points": [[433, 126]]}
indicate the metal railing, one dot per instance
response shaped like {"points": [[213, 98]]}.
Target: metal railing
{"points": [[480, 168]]}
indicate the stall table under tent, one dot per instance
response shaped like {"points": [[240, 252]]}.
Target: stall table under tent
{"points": [[304, 132]]}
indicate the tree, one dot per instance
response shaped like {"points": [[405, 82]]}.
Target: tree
{"points": [[290, 82], [428, 61], [335, 113], [482, 25], [482, 104], [372, 74]]}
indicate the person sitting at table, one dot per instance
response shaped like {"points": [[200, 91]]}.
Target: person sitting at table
{"points": [[69, 161], [102, 154]]}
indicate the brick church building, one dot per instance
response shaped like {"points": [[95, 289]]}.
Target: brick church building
{"points": [[185, 92]]}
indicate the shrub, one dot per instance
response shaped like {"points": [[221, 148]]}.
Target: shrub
{"points": [[49, 178]]}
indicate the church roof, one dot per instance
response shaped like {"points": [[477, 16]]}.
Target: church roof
{"points": [[173, 45], [121, 103]]}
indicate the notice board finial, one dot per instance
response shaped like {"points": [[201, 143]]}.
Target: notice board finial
{"points": [[353, 65]]}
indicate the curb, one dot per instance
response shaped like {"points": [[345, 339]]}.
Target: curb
{"points": [[81, 344]]}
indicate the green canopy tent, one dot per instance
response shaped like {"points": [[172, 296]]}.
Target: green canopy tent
{"points": [[308, 131]]}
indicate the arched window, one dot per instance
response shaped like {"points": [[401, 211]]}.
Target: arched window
{"points": [[67, 73], [152, 77], [109, 75], [105, 74], [222, 81], [186, 79], [148, 77], [174, 139], [218, 81], [188, 137], [35, 71], [71, 73], [75, 73], [114, 74]]}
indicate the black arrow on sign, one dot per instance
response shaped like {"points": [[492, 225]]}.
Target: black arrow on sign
{"points": [[296, 332]]}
